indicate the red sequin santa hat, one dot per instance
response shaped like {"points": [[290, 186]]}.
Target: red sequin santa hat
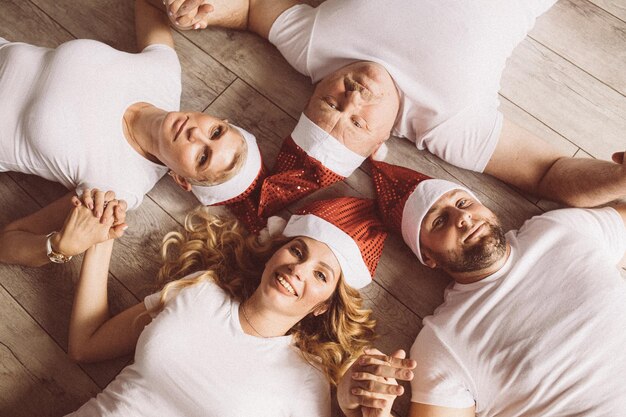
{"points": [[351, 228], [241, 192], [309, 159], [405, 196]]}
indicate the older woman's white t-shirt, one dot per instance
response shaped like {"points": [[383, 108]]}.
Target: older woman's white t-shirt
{"points": [[445, 56], [195, 360], [61, 112]]}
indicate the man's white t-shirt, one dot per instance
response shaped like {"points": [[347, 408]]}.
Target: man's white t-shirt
{"points": [[544, 336], [61, 112], [445, 56], [194, 359]]}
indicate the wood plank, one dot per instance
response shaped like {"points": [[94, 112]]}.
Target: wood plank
{"points": [[37, 376], [21, 21], [589, 37], [574, 104], [616, 7]]}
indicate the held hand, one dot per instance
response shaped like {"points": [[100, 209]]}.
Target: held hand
{"points": [[618, 158], [189, 14], [369, 387], [83, 230]]}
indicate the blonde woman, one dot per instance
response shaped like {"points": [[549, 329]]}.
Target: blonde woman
{"points": [[245, 328]]}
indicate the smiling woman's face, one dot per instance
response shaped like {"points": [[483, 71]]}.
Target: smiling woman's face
{"points": [[357, 105], [300, 276], [198, 146]]}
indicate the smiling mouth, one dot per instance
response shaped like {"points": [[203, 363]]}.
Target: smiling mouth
{"points": [[474, 232], [180, 128], [282, 281]]}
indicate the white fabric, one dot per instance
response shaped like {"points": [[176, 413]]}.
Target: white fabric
{"points": [[61, 112], [195, 360], [445, 56], [346, 250], [417, 205], [333, 154], [236, 185], [544, 336]]}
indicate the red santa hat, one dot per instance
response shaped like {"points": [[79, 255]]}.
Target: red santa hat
{"points": [[241, 192], [349, 226], [405, 196], [309, 159]]}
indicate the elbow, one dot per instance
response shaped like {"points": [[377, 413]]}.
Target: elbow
{"points": [[78, 353]]}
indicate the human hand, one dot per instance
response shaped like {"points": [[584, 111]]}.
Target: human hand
{"points": [[369, 387], [97, 201], [82, 229], [188, 14], [618, 158]]}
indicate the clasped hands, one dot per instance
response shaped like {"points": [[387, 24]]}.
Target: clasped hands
{"points": [[188, 14], [95, 217], [369, 387]]}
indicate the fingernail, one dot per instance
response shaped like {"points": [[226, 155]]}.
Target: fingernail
{"points": [[176, 23], [354, 391], [125, 227], [170, 14], [196, 26]]}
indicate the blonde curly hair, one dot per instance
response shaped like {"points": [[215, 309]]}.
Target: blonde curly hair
{"points": [[234, 261]]}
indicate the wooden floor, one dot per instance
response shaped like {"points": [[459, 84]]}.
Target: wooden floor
{"points": [[566, 82]]}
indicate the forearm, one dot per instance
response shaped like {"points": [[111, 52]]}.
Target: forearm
{"points": [[90, 309], [23, 248], [583, 182]]}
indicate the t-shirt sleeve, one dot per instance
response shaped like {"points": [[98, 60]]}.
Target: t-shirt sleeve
{"points": [[314, 400], [469, 138], [604, 226], [291, 33], [152, 301], [439, 378]]}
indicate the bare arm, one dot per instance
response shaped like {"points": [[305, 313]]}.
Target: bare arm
{"points": [[425, 410], [23, 241], [527, 162], [93, 335], [257, 16], [151, 24]]}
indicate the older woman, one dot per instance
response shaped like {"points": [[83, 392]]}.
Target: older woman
{"points": [[91, 117], [245, 328]]}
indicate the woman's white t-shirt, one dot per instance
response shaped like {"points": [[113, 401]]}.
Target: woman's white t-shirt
{"points": [[61, 112], [194, 359]]}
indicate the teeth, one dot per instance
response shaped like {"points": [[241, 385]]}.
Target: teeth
{"points": [[286, 285]]}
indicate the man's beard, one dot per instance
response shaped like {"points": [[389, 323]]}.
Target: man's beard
{"points": [[482, 254]]}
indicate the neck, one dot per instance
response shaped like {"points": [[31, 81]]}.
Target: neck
{"points": [[257, 320], [480, 274], [142, 125]]}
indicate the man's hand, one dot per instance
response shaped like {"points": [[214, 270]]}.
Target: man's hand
{"points": [[618, 158], [189, 14], [369, 387]]}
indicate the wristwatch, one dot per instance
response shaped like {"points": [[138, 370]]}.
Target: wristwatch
{"points": [[56, 257]]}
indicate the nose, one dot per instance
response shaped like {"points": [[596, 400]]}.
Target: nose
{"points": [[298, 270], [197, 135], [463, 218], [352, 101]]}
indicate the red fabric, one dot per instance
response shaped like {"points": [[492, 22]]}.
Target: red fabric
{"points": [[358, 218], [394, 184], [295, 175], [244, 206]]}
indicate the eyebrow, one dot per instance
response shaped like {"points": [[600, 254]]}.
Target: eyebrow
{"points": [[322, 263]]}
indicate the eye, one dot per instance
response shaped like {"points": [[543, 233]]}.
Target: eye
{"points": [[356, 123], [438, 222], [330, 102], [463, 203], [295, 250], [204, 156], [217, 132], [320, 275]]}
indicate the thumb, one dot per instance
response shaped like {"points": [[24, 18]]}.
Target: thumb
{"points": [[618, 157]]}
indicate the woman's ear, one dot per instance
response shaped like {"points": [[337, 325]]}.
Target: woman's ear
{"points": [[180, 180], [320, 309]]}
